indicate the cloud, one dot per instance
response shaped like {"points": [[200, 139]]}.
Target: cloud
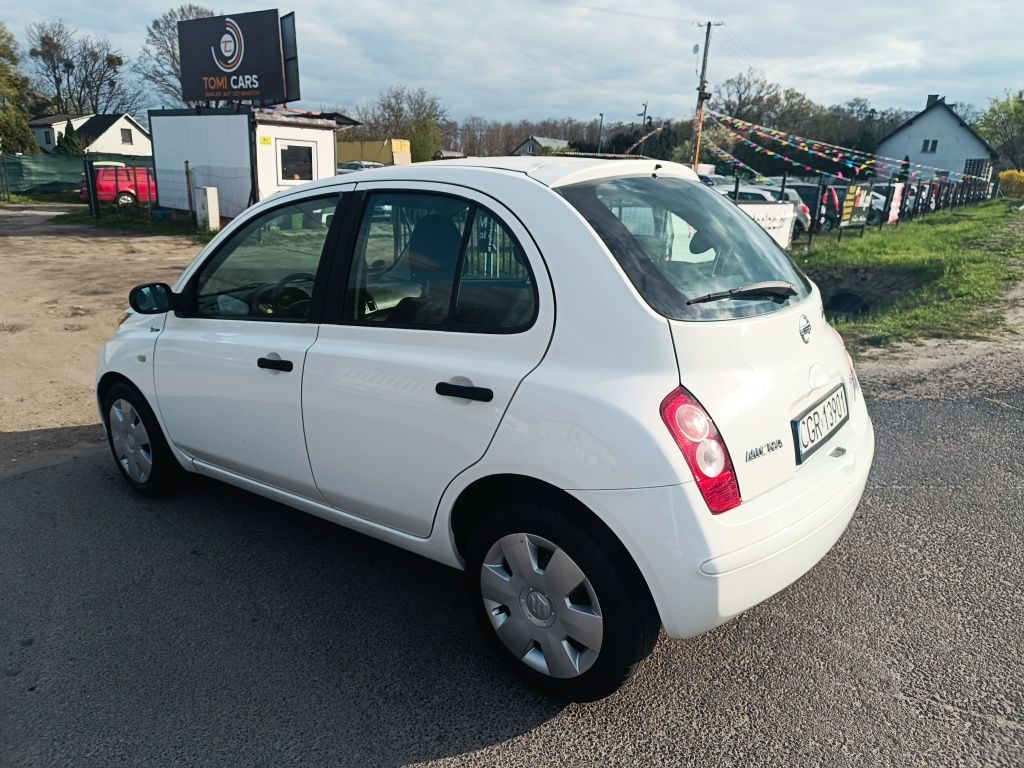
{"points": [[554, 58]]}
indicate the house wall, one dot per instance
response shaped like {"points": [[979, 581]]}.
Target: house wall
{"points": [[56, 131], [955, 145], [528, 147], [217, 148], [110, 140], [272, 139]]}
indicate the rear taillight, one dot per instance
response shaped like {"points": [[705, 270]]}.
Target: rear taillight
{"points": [[703, 448], [805, 209]]}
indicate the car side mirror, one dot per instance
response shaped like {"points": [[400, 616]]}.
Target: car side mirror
{"points": [[151, 298]]}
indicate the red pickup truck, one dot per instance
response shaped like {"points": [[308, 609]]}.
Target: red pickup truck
{"points": [[123, 186]]}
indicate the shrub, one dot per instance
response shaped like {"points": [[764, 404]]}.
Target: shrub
{"points": [[1012, 183]]}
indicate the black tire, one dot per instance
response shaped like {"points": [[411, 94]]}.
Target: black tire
{"points": [[630, 619], [825, 226], [165, 468]]}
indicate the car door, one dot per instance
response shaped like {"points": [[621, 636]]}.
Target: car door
{"points": [[228, 364], [446, 306]]}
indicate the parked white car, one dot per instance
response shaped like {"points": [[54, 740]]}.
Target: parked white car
{"points": [[597, 386]]}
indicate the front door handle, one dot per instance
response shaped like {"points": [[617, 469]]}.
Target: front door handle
{"points": [[482, 394], [275, 365]]}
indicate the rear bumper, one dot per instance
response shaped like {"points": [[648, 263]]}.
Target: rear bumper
{"points": [[702, 570]]}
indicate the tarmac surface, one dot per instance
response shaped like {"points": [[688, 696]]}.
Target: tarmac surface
{"points": [[216, 628]]}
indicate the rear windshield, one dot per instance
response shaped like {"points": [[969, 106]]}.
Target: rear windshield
{"points": [[677, 240]]}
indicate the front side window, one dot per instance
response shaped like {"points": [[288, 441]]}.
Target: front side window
{"points": [[678, 240], [267, 269], [435, 261]]}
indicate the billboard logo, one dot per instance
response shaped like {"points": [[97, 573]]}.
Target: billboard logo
{"points": [[228, 53]]}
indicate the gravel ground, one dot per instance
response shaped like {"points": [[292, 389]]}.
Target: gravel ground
{"points": [[215, 627]]}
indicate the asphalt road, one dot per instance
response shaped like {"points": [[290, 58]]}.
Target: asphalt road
{"points": [[216, 628]]}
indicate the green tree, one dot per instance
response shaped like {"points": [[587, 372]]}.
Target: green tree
{"points": [[158, 62], [15, 97], [15, 135], [69, 142], [1002, 126]]}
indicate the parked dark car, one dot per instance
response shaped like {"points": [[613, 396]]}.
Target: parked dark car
{"points": [[830, 208]]}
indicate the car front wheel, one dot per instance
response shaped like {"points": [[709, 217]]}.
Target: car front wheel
{"points": [[562, 605], [125, 198], [136, 441]]}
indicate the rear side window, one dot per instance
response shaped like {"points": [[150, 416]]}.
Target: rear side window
{"points": [[677, 240], [438, 262]]}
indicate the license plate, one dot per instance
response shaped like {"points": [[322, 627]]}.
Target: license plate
{"points": [[815, 426]]}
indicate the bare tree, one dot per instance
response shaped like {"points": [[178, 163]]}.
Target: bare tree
{"points": [[51, 44], [81, 74], [402, 112], [159, 63]]}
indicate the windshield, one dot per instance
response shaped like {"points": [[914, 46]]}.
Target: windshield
{"points": [[677, 240]]}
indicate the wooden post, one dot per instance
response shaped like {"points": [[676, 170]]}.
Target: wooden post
{"points": [[188, 193]]}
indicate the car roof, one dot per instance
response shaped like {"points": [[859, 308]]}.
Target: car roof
{"points": [[549, 171]]}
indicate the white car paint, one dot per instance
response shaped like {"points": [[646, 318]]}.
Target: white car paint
{"points": [[576, 405]]}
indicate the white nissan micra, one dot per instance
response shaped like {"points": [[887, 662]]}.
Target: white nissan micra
{"points": [[596, 386]]}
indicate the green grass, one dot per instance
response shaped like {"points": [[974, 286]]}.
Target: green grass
{"points": [[52, 196], [942, 275], [136, 221]]}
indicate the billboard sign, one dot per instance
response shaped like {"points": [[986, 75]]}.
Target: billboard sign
{"points": [[232, 58], [856, 205]]}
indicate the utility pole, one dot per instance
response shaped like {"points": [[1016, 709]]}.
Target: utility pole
{"points": [[600, 130], [643, 124], [702, 91]]}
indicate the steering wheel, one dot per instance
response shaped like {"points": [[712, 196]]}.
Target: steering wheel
{"points": [[290, 300]]}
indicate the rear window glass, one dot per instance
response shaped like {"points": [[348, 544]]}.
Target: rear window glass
{"points": [[677, 240]]}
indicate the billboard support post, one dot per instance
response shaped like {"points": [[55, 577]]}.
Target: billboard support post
{"points": [[188, 194]]}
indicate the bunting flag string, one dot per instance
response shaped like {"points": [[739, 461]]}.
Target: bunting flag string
{"points": [[731, 160], [847, 156], [646, 136], [760, 150], [856, 161]]}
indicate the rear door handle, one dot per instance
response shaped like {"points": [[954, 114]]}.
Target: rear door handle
{"points": [[275, 365], [482, 394]]}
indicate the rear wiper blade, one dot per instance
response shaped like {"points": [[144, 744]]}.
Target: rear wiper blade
{"points": [[776, 289]]}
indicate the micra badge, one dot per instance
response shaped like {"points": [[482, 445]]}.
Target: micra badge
{"points": [[761, 450]]}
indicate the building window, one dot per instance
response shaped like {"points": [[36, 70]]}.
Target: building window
{"points": [[929, 145], [126, 135], [48, 138], [296, 162]]}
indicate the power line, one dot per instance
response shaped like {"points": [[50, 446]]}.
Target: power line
{"points": [[631, 14], [748, 54]]}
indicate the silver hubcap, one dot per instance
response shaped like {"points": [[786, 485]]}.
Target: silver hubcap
{"points": [[131, 441], [542, 605]]}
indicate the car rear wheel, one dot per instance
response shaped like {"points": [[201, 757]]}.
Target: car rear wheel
{"points": [[137, 443], [125, 198], [563, 607]]}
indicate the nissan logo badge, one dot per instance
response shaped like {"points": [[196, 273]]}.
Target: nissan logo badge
{"points": [[805, 329]]}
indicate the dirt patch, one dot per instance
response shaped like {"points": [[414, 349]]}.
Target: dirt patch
{"points": [[64, 288], [951, 368]]}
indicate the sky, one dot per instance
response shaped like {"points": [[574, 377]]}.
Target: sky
{"points": [[534, 59]]}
